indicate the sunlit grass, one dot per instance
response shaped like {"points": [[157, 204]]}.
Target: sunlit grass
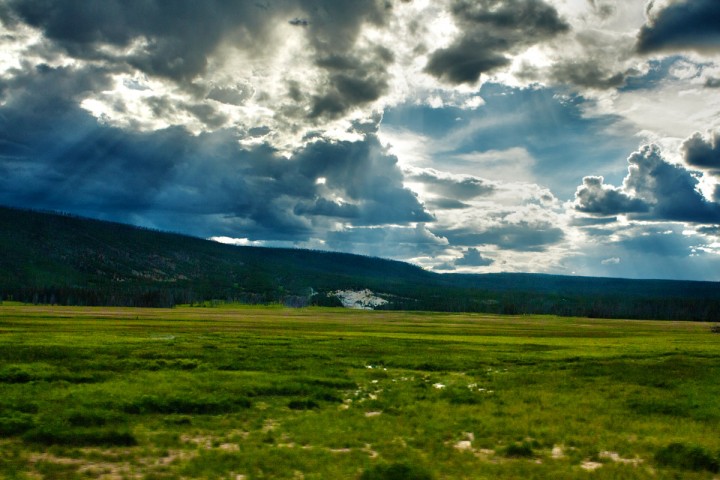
{"points": [[317, 393]]}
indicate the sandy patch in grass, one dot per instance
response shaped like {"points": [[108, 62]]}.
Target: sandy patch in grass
{"points": [[340, 450], [590, 465], [464, 445], [202, 441], [99, 470], [269, 425], [615, 457], [368, 449]]}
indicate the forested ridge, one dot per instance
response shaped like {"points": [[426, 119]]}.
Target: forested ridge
{"points": [[61, 259]]}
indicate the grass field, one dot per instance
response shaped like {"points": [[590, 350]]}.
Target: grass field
{"points": [[248, 393]]}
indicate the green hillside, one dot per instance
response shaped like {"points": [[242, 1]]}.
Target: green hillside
{"points": [[53, 258]]}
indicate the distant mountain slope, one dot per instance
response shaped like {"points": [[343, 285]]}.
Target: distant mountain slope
{"points": [[51, 251], [52, 258]]}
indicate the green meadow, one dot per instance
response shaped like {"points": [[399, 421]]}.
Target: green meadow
{"points": [[265, 392]]}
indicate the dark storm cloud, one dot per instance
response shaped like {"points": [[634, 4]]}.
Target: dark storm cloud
{"points": [[175, 39], [355, 76], [327, 208], [353, 80], [668, 191], [366, 176], [465, 60], [596, 198], [703, 153], [690, 24], [521, 236], [473, 258], [457, 187], [491, 31], [178, 35], [57, 156]]}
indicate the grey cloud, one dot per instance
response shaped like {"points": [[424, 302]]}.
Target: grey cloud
{"points": [[653, 189], [588, 74], [603, 10], [670, 189], [596, 198], [492, 31], [712, 83], [334, 24], [591, 221], [521, 236], [701, 152], [299, 22], [690, 24], [599, 232], [231, 95], [207, 114], [447, 204], [258, 131], [445, 267], [473, 258], [533, 17], [462, 188], [713, 230]]}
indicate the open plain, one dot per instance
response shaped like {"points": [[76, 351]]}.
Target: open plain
{"points": [[234, 392]]}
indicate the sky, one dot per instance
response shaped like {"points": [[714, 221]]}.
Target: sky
{"points": [[575, 137]]}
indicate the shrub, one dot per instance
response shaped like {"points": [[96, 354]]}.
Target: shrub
{"points": [[91, 418], [462, 396], [187, 405], [396, 471], [302, 404], [687, 457], [62, 435], [15, 423], [519, 450], [14, 374]]}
